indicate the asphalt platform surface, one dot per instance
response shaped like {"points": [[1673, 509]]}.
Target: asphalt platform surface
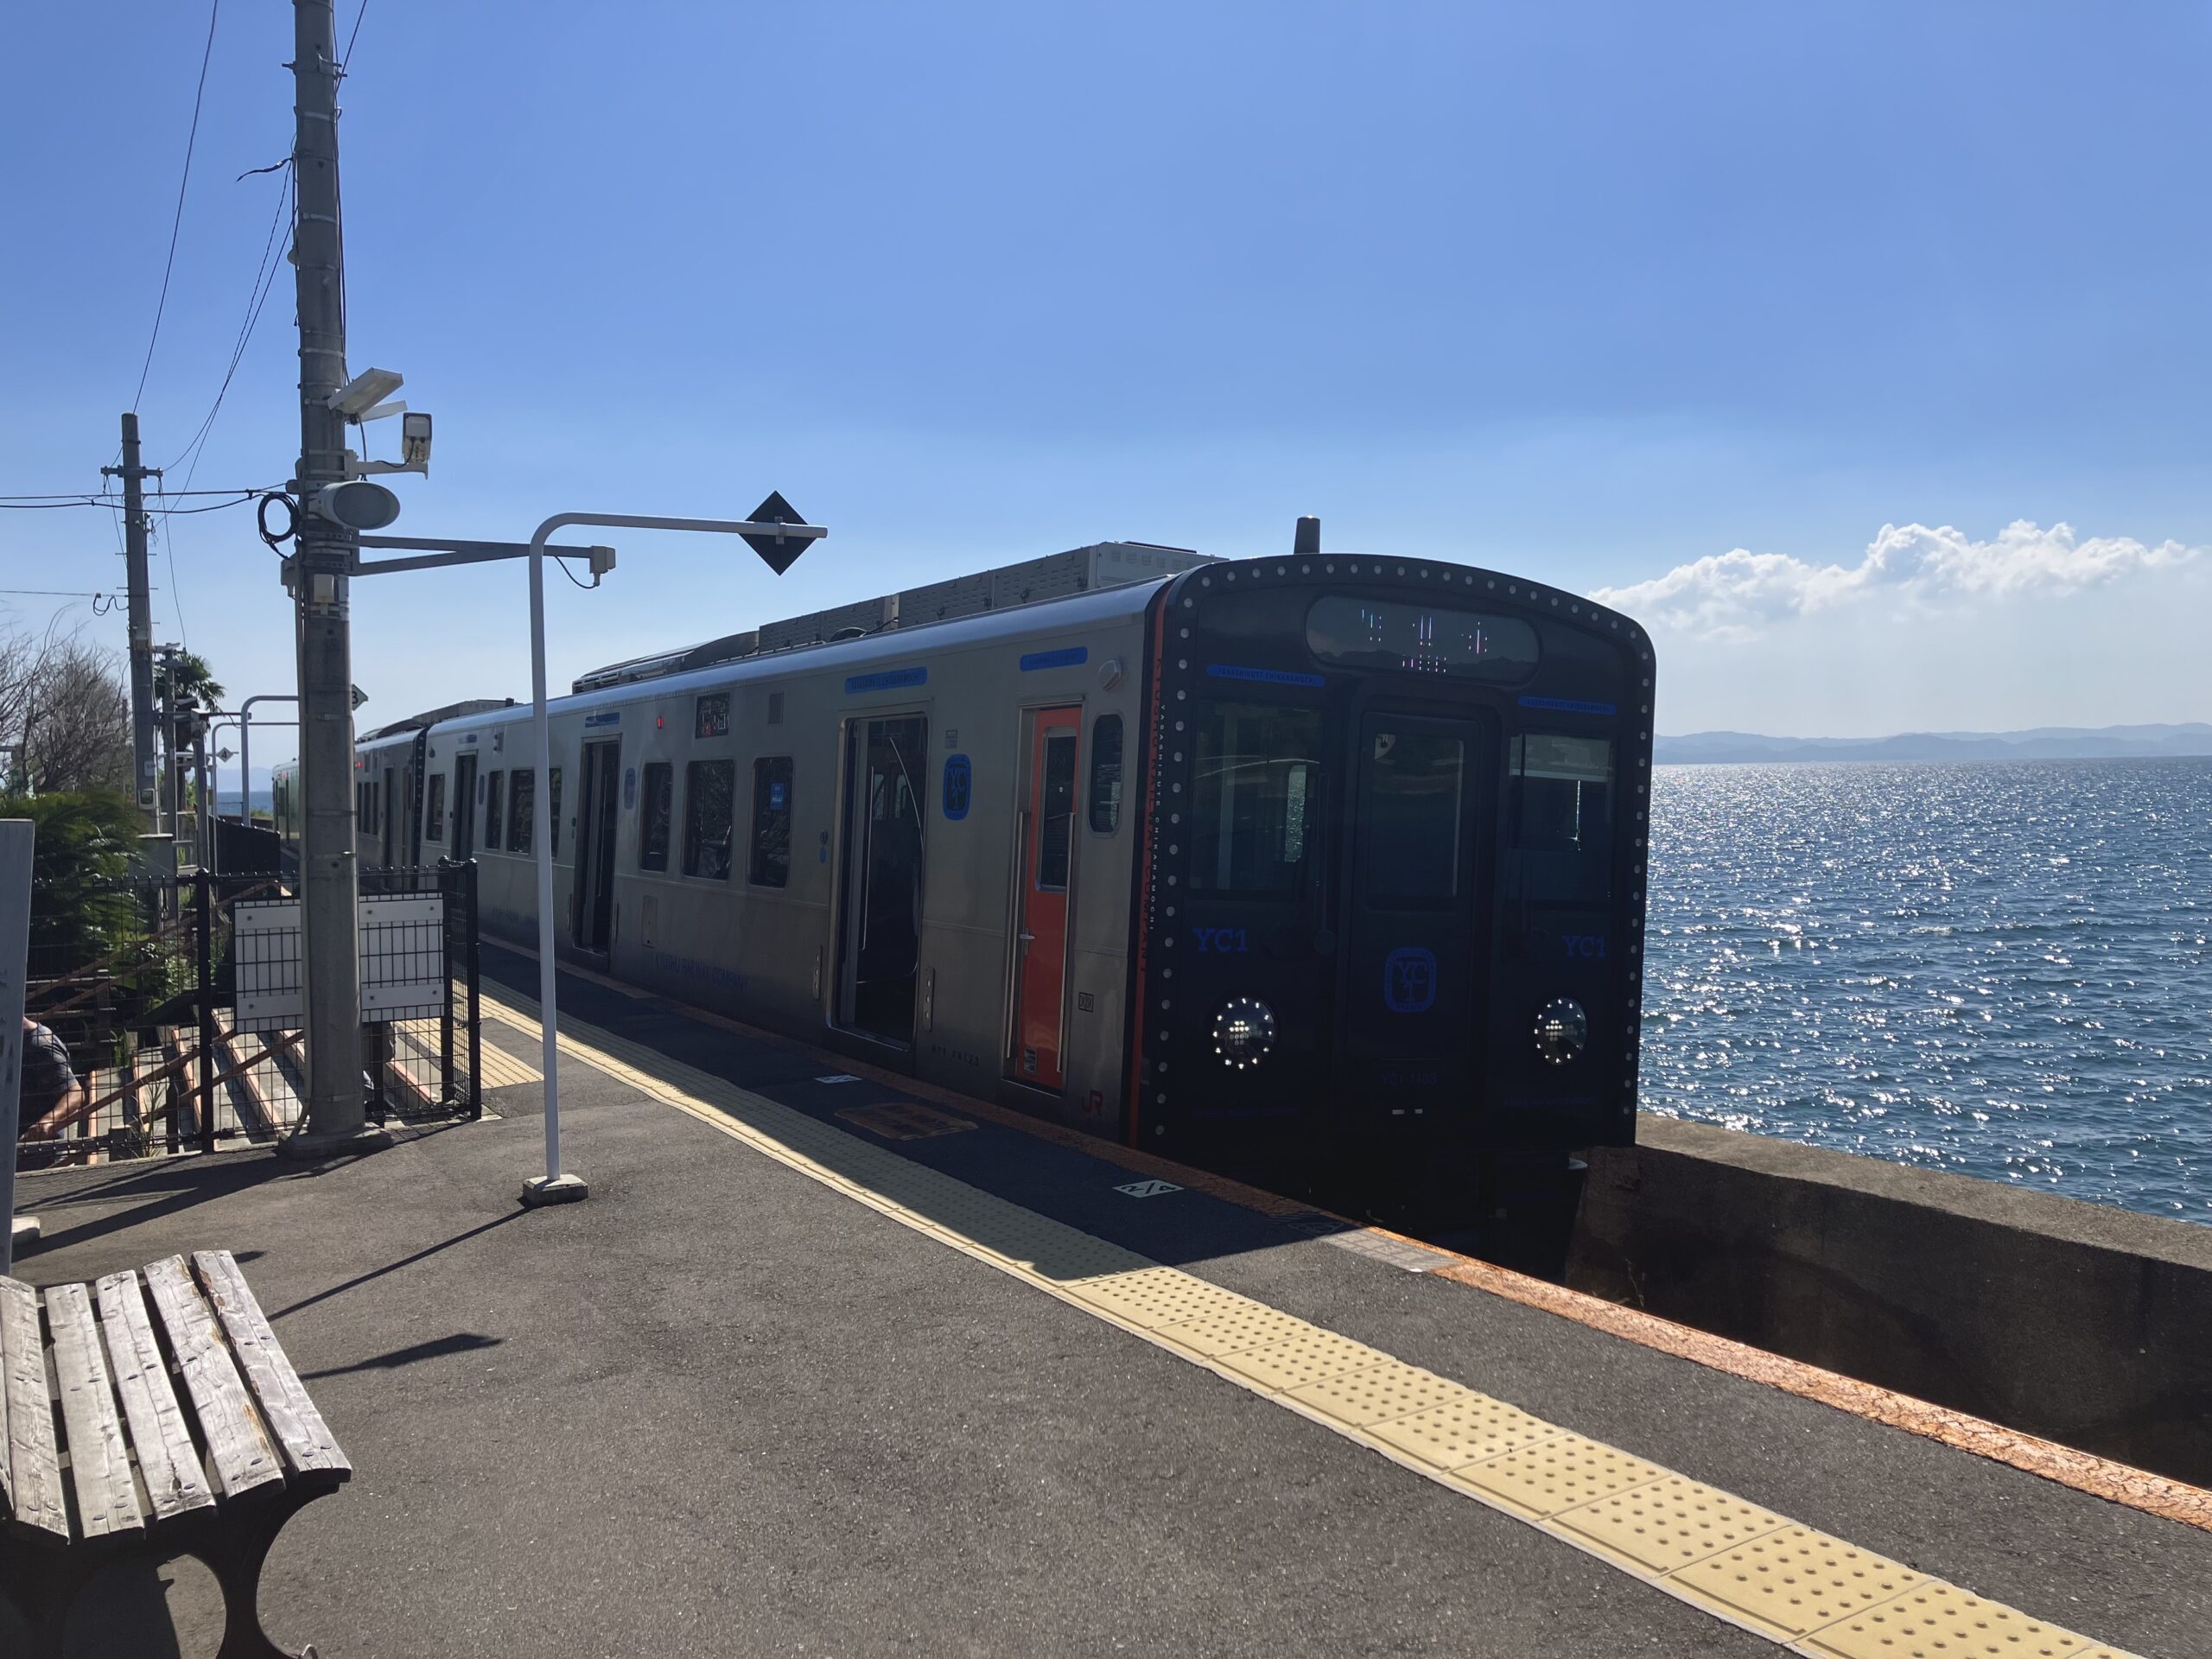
{"points": [[722, 1408]]}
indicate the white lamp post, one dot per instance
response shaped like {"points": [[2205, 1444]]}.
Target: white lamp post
{"points": [[556, 1185]]}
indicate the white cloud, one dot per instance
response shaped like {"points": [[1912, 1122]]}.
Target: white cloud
{"points": [[1736, 594]]}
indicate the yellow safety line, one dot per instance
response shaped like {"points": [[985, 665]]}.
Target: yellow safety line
{"points": [[1813, 1593]]}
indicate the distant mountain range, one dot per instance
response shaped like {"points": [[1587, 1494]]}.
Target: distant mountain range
{"points": [[2042, 743]]}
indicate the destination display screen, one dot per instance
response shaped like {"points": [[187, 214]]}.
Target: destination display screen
{"points": [[1407, 638]]}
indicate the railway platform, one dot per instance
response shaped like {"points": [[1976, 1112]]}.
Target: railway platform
{"points": [[830, 1364]]}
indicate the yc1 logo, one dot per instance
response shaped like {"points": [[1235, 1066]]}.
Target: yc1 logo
{"points": [[1220, 941], [1409, 980], [1583, 945]]}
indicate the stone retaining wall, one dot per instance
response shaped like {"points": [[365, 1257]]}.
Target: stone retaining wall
{"points": [[2078, 1322]]}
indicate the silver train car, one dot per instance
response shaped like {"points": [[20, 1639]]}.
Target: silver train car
{"points": [[1325, 863]]}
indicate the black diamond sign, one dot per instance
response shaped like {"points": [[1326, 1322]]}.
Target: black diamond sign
{"points": [[778, 551]]}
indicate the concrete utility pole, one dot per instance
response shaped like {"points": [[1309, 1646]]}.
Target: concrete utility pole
{"points": [[320, 569], [165, 807], [141, 611]]}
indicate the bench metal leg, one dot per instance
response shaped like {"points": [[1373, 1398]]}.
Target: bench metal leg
{"points": [[235, 1559], [43, 1586]]}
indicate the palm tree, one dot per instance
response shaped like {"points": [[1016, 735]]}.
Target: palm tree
{"points": [[192, 683]]}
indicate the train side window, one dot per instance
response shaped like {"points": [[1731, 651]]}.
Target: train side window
{"points": [[771, 822], [1105, 774], [553, 812], [493, 820], [656, 806], [1056, 827], [521, 810], [434, 810], [1563, 818], [1256, 785], [709, 789]]}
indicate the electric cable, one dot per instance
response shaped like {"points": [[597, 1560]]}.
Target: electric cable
{"points": [[176, 223]]}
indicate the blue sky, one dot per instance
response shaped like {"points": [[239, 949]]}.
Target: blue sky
{"points": [[1683, 305]]}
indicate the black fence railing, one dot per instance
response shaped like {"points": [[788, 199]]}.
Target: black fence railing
{"points": [[139, 981]]}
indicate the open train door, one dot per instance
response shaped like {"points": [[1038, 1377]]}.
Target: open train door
{"points": [[597, 818], [880, 917]]}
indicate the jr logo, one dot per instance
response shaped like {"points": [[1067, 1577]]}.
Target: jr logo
{"points": [[1409, 980], [1583, 945], [1220, 940]]}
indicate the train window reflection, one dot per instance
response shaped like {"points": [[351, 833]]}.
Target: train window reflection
{"points": [[771, 822], [654, 810], [433, 809], [1414, 638], [1413, 805], [1256, 784], [1105, 774], [1563, 816], [495, 836], [709, 797], [521, 810]]}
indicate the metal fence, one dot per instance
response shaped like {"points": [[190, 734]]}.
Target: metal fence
{"points": [[140, 982]]}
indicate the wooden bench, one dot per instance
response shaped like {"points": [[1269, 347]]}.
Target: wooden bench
{"points": [[213, 1471]]}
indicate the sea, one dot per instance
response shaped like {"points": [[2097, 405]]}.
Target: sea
{"points": [[2003, 970]]}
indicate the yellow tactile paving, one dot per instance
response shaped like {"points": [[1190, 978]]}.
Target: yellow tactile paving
{"points": [[1376, 1396], [1541, 1479], [1797, 1580], [498, 1068], [1463, 1430], [1233, 1329], [1669, 1523], [1309, 1356], [1939, 1621], [1814, 1594]]}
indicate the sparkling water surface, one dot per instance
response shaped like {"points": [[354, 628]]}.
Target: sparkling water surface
{"points": [[2002, 969]]}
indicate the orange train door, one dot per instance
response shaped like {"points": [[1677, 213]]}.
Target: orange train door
{"points": [[1047, 878]]}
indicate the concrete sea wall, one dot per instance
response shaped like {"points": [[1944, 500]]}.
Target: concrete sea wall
{"points": [[2085, 1325]]}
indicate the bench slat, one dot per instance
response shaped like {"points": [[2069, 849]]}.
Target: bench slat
{"points": [[239, 1448], [34, 1498], [299, 1427], [168, 1461], [100, 1464]]}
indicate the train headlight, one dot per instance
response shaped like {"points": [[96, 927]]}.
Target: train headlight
{"points": [[1243, 1032], [1562, 1030]]}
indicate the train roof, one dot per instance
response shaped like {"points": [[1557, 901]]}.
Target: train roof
{"points": [[1122, 602], [1056, 575]]}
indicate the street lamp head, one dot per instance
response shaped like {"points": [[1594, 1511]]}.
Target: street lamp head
{"points": [[364, 391]]}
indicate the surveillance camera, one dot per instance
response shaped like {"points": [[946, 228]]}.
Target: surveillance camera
{"points": [[364, 391], [415, 440]]}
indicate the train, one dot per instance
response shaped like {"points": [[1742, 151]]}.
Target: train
{"points": [[1323, 869]]}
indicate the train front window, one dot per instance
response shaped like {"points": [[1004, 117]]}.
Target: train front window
{"points": [[1258, 784], [1563, 818], [1414, 807]]}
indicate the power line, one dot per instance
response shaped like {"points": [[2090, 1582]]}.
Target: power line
{"points": [[264, 279], [348, 56], [177, 224], [237, 499], [88, 497]]}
